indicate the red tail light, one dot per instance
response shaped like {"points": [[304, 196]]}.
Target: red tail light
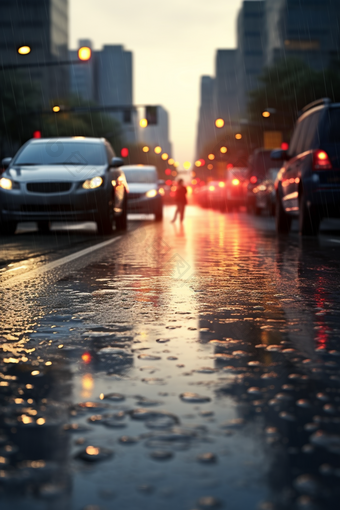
{"points": [[253, 179], [321, 160]]}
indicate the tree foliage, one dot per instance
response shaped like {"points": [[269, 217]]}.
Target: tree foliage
{"points": [[288, 86]]}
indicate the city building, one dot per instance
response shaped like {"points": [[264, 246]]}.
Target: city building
{"points": [[82, 76], [251, 39], [226, 97], [158, 134], [207, 115], [307, 29], [107, 79], [43, 26]]}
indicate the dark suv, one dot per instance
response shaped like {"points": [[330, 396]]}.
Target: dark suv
{"points": [[308, 184]]}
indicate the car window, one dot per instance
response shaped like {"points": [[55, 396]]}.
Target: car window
{"points": [[57, 152], [333, 129], [295, 140], [109, 152], [300, 146], [140, 176], [312, 122]]}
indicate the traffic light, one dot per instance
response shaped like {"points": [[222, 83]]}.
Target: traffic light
{"points": [[37, 134], [151, 115]]}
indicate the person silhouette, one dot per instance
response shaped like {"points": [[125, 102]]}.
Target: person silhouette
{"points": [[181, 200]]}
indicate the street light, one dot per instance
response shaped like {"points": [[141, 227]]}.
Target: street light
{"points": [[211, 157], [165, 156], [56, 109], [219, 123], [238, 136], [24, 50], [266, 114], [143, 123], [187, 165], [146, 148], [158, 149], [84, 53], [223, 150], [171, 161]]}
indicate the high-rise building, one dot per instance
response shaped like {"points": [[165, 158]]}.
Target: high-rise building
{"points": [[251, 38], [226, 100], [43, 26], [107, 79], [82, 76], [206, 119], [308, 29]]}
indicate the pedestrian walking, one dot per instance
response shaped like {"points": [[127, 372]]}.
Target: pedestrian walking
{"points": [[181, 200]]}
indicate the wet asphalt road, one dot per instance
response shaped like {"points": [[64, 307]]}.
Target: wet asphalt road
{"points": [[175, 367]]}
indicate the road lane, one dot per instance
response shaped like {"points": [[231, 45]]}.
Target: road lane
{"points": [[192, 366]]}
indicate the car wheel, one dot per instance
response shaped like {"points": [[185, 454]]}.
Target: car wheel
{"points": [[283, 220], [159, 214], [105, 221], [43, 227], [309, 219], [121, 221], [8, 228]]}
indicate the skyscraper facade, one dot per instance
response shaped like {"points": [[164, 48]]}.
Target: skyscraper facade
{"points": [[43, 26]]}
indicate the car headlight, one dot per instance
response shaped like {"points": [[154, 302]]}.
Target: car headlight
{"points": [[8, 183], [93, 183], [151, 193]]}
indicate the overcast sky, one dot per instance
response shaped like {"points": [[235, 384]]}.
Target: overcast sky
{"points": [[173, 44]]}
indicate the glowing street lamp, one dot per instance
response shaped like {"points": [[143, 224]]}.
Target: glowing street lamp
{"points": [[24, 50], [219, 123], [171, 161], [146, 148], [238, 136], [56, 109], [266, 114], [84, 53], [198, 163], [143, 123], [165, 156], [186, 165], [158, 149], [223, 150], [176, 164], [211, 157]]}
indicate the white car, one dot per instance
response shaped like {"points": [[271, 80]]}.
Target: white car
{"points": [[145, 194]]}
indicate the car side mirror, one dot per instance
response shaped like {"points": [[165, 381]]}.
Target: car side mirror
{"points": [[161, 182], [116, 162], [279, 155], [6, 162]]}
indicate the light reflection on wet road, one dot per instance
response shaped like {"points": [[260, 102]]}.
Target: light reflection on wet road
{"points": [[184, 367]]}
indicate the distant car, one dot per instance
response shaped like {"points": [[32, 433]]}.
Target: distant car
{"points": [[308, 184], [212, 195], [235, 188], [265, 199], [260, 163], [145, 190], [63, 179]]}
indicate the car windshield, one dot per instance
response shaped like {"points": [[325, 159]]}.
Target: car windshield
{"points": [[57, 152], [260, 163], [136, 176]]}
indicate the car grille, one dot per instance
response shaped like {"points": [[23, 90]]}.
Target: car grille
{"points": [[47, 208], [49, 187], [133, 196]]}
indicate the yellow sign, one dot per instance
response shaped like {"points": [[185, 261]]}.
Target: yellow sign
{"points": [[272, 139]]}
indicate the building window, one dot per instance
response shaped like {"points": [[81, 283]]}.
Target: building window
{"points": [[294, 44]]}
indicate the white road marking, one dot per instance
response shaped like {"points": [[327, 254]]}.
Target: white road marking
{"points": [[334, 240], [57, 263]]}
